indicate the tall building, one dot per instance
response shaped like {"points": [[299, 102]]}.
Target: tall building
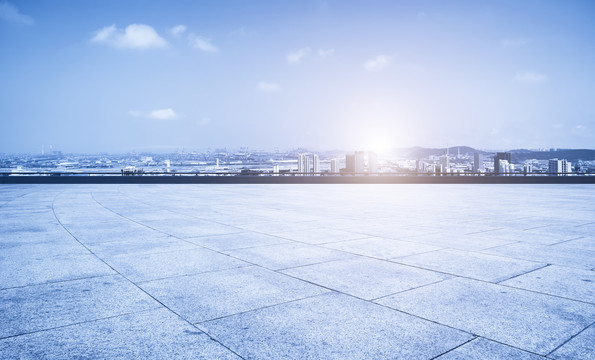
{"points": [[478, 162], [499, 157], [445, 162], [372, 162], [334, 166], [504, 167], [559, 167], [349, 164], [359, 162], [303, 164], [527, 168], [315, 164]]}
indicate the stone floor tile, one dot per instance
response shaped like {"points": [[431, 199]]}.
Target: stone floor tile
{"points": [[151, 266], [332, 326], [526, 320], [471, 264], [154, 334], [366, 278], [46, 306], [222, 293]]}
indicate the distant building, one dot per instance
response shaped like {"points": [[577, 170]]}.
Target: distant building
{"points": [[372, 162], [315, 164], [478, 163], [445, 162], [559, 167], [359, 162], [349, 164], [334, 166], [504, 167], [500, 157], [303, 164], [527, 168]]}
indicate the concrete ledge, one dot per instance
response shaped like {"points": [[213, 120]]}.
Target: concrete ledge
{"points": [[251, 179]]}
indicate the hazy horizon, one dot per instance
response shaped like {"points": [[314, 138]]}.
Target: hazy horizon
{"points": [[116, 77]]}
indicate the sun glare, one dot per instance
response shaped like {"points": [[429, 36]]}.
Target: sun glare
{"points": [[378, 143]]}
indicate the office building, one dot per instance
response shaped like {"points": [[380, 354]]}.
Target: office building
{"points": [[478, 163], [335, 166], [359, 162], [559, 167], [349, 164], [500, 156], [303, 164], [445, 162], [372, 162], [504, 167], [315, 164]]}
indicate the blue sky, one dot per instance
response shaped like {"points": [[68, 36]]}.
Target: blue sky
{"points": [[118, 76]]}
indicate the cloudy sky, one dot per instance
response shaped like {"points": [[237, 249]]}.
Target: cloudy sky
{"points": [[118, 76]]}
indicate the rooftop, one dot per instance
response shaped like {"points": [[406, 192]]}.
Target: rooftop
{"points": [[340, 271]]}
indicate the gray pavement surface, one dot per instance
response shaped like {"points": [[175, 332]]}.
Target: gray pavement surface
{"points": [[297, 271]]}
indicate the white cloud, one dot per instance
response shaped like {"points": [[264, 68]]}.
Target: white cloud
{"points": [[135, 113], [268, 87], [297, 56], [378, 63], [134, 36], [10, 13], [202, 44], [163, 114], [323, 53], [514, 43], [531, 77], [177, 30]]}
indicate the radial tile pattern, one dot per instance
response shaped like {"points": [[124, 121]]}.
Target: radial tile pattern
{"points": [[297, 271]]}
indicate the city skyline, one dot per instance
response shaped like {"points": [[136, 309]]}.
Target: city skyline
{"points": [[117, 77]]}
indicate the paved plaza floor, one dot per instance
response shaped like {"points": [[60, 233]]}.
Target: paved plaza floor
{"points": [[297, 271]]}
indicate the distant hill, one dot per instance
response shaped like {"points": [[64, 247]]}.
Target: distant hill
{"points": [[518, 155], [418, 152], [573, 155]]}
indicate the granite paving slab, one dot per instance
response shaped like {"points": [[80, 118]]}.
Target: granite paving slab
{"points": [[222, 293], [154, 334], [332, 326], [284, 256], [582, 346], [122, 229], [481, 348], [576, 284], [564, 256], [530, 321], [151, 266], [23, 271], [237, 240], [585, 243], [33, 308], [320, 235], [366, 278], [381, 248], [453, 240], [188, 228], [155, 243], [471, 264]]}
